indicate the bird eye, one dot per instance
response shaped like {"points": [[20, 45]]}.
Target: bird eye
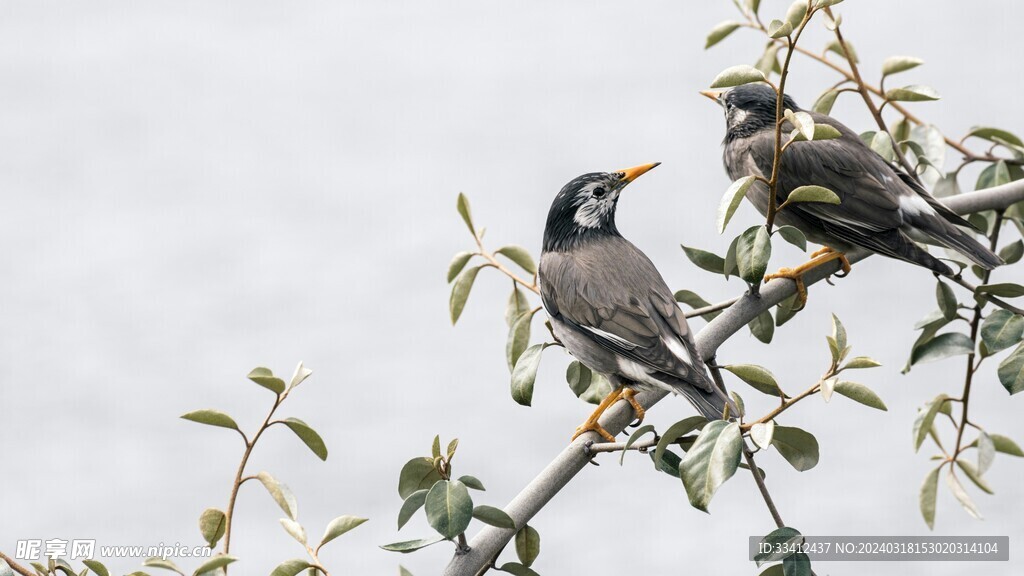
{"points": [[598, 192]]}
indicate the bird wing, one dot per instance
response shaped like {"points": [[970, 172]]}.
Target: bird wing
{"points": [[871, 193], [614, 295]]}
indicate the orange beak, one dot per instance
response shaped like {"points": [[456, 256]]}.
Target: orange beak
{"points": [[630, 174], [716, 96]]}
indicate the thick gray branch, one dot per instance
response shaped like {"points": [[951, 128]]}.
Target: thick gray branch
{"points": [[490, 540]]}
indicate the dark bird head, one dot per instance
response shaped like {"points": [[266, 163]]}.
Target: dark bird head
{"points": [[585, 207], [749, 108]]}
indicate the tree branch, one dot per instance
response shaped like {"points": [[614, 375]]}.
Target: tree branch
{"points": [[15, 566], [490, 540]]}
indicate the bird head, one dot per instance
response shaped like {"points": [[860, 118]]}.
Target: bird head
{"points": [[585, 207], [749, 108]]}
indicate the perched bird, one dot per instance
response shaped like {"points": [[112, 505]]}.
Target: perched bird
{"points": [[881, 208], [609, 305]]}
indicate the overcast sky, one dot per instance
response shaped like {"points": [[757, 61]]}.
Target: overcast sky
{"points": [[193, 189]]}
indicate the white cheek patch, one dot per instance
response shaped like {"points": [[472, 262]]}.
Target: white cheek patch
{"points": [[593, 211], [737, 116]]}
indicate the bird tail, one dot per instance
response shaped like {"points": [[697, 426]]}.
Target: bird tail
{"points": [[711, 405], [967, 245]]}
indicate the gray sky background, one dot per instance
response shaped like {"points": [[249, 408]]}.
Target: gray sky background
{"points": [[193, 189]]}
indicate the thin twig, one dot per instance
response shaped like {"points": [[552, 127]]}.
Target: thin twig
{"points": [[870, 102], [711, 308], [965, 397], [15, 566]]}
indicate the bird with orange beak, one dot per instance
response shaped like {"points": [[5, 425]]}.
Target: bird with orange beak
{"points": [[609, 305]]}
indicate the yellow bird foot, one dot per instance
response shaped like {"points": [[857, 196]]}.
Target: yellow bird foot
{"points": [[591, 424], [818, 258], [629, 395]]}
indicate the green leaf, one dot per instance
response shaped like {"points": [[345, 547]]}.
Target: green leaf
{"points": [[517, 569], [720, 32], [97, 567], [837, 340], [795, 14], [1011, 253], [986, 452], [693, 300], [1006, 290], [290, 567], [417, 474], [299, 376], [819, 4], [520, 256], [636, 435], [413, 503], [798, 447], [212, 523], [1001, 329], [769, 59], [793, 235], [494, 517], [339, 526], [783, 539], [929, 491], [435, 447], [294, 529], [994, 175], [961, 495], [914, 93], [786, 310], [705, 260], [472, 482], [578, 376], [812, 194], [711, 461], [280, 493], [773, 570], [779, 29], [309, 437], [675, 432], [1011, 371], [449, 508], [518, 339], [412, 545], [462, 205], [525, 374], [758, 377], [802, 122], [753, 251], [798, 564], [993, 134], [860, 393], [219, 561], [458, 263], [946, 299], [737, 75], [158, 562], [402, 571], [925, 419], [527, 545], [729, 268], [668, 463], [896, 64], [834, 47], [212, 418], [762, 432], [264, 377], [763, 327], [731, 200], [882, 145], [859, 362], [821, 132], [824, 103], [599, 389], [942, 346], [460, 292], [1006, 445]]}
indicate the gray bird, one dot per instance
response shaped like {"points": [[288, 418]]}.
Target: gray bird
{"points": [[609, 305], [881, 208]]}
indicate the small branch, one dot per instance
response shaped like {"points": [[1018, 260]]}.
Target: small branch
{"points": [[761, 487], [709, 309], [493, 262], [876, 112], [965, 397], [641, 445], [16, 567]]}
